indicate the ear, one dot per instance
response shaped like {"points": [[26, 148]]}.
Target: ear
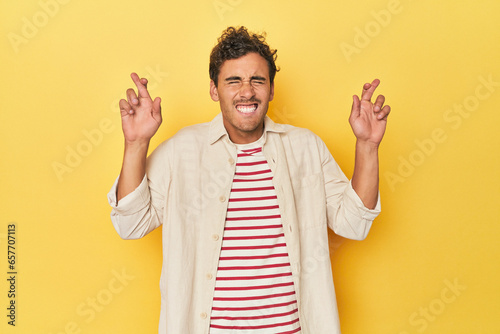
{"points": [[271, 92], [214, 94]]}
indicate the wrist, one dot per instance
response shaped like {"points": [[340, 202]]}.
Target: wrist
{"points": [[136, 146], [366, 146], [137, 143]]}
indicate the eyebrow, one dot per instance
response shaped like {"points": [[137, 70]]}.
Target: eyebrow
{"points": [[237, 78]]}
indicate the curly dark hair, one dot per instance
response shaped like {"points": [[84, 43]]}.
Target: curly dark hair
{"points": [[237, 42]]}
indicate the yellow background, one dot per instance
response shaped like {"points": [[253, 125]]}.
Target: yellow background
{"points": [[440, 182]]}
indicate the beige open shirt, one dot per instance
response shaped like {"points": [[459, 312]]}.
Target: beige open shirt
{"points": [[187, 187]]}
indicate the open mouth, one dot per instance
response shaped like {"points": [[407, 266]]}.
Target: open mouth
{"points": [[246, 108]]}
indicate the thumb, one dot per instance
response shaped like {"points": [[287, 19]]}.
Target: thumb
{"points": [[157, 107], [356, 106]]}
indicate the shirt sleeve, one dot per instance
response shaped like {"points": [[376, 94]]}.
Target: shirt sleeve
{"points": [[141, 211], [347, 215]]}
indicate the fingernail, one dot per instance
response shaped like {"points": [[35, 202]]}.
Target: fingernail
{"points": [[135, 101]]}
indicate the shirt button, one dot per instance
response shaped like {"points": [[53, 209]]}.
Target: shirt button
{"points": [[203, 315], [222, 198], [231, 161], [215, 237], [209, 276]]}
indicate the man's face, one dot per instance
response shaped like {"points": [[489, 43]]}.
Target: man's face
{"points": [[244, 91]]}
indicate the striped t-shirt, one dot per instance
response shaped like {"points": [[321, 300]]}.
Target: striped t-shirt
{"points": [[254, 291]]}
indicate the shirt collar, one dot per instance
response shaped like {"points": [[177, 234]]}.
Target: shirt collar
{"points": [[217, 129]]}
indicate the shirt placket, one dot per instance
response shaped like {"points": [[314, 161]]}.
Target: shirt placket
{"points": [[220, 204]]}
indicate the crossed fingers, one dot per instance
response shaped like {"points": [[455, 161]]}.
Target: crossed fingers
{"points": [[379, 109], [128, 106]]}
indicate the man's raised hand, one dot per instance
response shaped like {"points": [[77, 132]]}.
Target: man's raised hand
{"points": [[141, 116], [368, 120]]}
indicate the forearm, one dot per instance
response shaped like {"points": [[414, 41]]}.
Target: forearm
{"points": [[365, 178], [133, 168]]}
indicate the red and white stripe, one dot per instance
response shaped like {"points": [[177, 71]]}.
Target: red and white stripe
{"points": [[254, 291]]}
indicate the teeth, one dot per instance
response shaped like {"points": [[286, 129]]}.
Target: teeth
{"points": [[246, 109]]}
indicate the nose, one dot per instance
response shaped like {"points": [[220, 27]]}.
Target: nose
{"points": [[246, 90]]}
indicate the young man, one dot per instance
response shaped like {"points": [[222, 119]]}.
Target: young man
{"points": [[244, 202]]}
